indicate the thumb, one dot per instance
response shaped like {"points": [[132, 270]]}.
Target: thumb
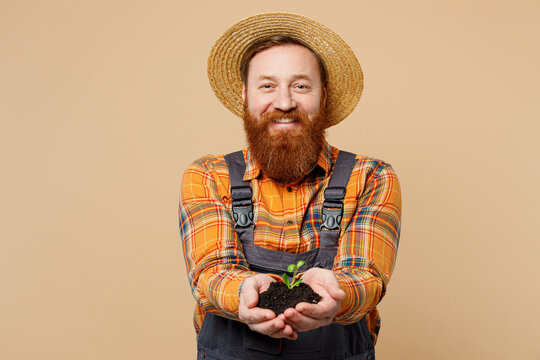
{"points": [[249, 294], [335, 291]]}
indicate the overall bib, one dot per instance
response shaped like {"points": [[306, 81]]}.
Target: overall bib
{"points": [[222, 338]]}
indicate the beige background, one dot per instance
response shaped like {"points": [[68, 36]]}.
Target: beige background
{"points": [[103, 104]]}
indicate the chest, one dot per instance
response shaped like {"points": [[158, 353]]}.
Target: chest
{"points": [[289, 218]]}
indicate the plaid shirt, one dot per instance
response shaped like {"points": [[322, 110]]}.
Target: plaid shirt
{"points": [[286, 219]]}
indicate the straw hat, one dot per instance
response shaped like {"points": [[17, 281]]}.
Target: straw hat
{"points": [[344, 75]]}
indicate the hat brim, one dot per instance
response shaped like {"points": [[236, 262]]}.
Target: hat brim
{"points": [[344, 82]]}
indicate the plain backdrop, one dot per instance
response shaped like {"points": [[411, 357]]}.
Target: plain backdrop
{"points": [[103, 104]]}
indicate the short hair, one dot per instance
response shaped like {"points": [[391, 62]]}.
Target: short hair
{"points": [[270, 41]]}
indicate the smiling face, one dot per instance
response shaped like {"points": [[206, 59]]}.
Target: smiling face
{"points": [[284, 78], [284, 114]]}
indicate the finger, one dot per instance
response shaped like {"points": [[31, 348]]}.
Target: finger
{"points": [[257, 315], [301, 322], [287, 332], [274, 328], [324, 309]]}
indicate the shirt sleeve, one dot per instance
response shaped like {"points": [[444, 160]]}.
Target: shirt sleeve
{"points": [[367, 248], [214, 259]]}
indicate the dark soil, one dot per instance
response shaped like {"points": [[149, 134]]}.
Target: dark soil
{"points": [[279, 297]]}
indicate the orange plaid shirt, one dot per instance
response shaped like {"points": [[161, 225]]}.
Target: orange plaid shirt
{"points": [[284, 220]]}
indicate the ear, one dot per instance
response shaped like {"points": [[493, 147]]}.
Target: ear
{"points": [[324, 96], [244, 91]]}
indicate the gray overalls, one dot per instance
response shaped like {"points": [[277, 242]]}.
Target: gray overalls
{"points": [[221, 338]]}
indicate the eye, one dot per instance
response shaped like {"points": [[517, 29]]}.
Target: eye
{"points": [[266, 86], [302, 87]]}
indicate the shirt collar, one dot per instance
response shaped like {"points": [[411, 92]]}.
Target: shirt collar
{"points": [[253, 170]]}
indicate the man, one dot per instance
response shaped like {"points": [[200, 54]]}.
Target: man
{"points": [[290, 196]]}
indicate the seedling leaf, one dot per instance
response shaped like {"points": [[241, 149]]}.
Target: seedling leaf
{"points": [[291, 268], [286, 279]]}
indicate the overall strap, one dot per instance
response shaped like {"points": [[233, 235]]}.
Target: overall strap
{"points": [[332, 210], [241, 193], [334, 194]]}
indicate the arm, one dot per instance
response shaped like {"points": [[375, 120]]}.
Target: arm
{"points": [[365, 257], [367, 248], [215, 263]]}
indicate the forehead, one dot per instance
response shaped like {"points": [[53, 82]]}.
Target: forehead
{"points": [[284, 60]]}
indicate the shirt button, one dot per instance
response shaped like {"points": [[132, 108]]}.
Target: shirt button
{"points": [[289, 222], [289, 189]]}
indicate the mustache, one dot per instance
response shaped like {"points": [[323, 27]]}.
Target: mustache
{"points": [[276, 114]]}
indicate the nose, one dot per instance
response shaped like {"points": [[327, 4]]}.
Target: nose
{"points": [[284, 100]]}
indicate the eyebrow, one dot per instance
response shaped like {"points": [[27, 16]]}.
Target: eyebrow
{"points": [[295, 77]]}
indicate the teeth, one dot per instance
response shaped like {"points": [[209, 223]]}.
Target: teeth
{"points": [[284, 121]]}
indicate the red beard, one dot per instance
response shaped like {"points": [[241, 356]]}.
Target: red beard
{"points": [[285, 155]]}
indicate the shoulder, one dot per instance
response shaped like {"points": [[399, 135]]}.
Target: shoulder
{"points": [[206, 176], [366, 165], [207, 163], [372, 166], [370, 174]]}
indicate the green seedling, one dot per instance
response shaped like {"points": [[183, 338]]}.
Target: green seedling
{"points": [[291, 284]]}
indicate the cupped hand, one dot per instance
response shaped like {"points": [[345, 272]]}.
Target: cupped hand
{"points": [[307, 316], [261, 320]]}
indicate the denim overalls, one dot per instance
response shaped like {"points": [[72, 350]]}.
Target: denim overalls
{"points": [[222, 338]]}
